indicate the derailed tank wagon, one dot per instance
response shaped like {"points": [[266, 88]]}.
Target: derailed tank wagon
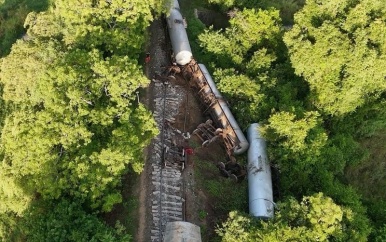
{"points": [[223, 125], [199, 77], [260, 190]]}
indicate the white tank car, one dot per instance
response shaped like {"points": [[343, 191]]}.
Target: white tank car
{"points": [[175, 4], [178, 36], [261, 203], [180, 231]]}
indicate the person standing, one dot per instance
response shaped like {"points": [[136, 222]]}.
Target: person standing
{"points": [[147, 58]]}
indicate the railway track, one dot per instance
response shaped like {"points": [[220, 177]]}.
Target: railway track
{"points": [[167, 159]]}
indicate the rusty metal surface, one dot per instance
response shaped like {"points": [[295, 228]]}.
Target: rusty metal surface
{"points": [[199, 78]]}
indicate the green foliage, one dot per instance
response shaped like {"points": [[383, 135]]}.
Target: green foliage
{"points": [[78, 103], [221, 190], [75, 126], [287, 8], [337, 47], [315, 218], [8, 227], [367, 120], [367, 177], [67, 221], [357, 224], [297, 137], [243, 55], [14, 199], [380, 234], [245, 90], [236, 228], [248, 31], [4, 109], [305, 97]]}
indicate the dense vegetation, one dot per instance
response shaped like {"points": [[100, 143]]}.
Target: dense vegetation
{"points": [[72, 125], [318, 88]]}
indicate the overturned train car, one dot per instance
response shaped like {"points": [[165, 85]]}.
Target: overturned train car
{"points": [[230, 131], [199, 77], [261, 203]]}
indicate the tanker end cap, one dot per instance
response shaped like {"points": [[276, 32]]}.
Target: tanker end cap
{"points": [[184, 57], [253, 132], [241, 148], [261, 208]]}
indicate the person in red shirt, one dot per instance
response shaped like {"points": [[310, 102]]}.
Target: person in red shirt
{"points": [[147, 58]]}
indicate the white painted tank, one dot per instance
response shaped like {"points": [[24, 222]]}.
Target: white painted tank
{"points": [[178, 36], [223, 109], [182, 231], [175, 4], [261, 203]]}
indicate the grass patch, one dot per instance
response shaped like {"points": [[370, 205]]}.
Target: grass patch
{"points": [[131, 221], [369, 176], [222, 195], [204, 230], [202, 214], [369, 179], [126, 212], [193, 143], [226, 194]]}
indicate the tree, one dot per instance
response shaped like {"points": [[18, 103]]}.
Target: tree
{"points": [[287, 8], [310, 144], [243, 55], [244, 40], [297, 137], [339, 48], [315, 218], [65, 220], [76, 126]]}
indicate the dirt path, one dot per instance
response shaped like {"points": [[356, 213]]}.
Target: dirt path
{"points": [[158, 50]]}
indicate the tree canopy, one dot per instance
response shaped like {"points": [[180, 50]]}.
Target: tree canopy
{"points": [[315, 218], [339, 48], [75, 126], [245, 52], [316, 87]]}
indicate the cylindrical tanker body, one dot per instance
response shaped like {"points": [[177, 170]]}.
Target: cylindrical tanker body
{"points": [[179, 231], [175, 4], [261, 203], [224, 115], [178, 36]]}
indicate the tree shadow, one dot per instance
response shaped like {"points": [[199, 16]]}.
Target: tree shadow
{"points": [[12, 16]]}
